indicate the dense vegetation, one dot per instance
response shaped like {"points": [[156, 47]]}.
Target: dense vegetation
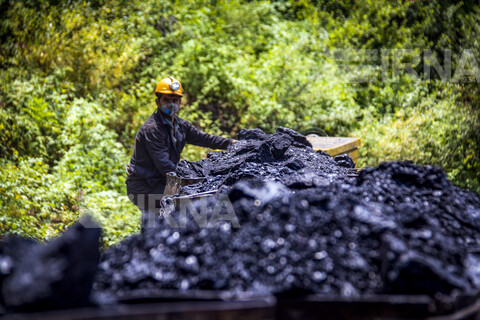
{"points": [[76, 82]]}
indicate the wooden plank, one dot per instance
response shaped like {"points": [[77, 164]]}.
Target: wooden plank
{"points": [[333, 145]]}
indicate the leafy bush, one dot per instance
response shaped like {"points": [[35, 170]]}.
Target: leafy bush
{"points": [[32, 201]]}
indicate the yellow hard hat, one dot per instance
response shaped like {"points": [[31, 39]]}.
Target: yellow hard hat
{"points": [[169, 85]]}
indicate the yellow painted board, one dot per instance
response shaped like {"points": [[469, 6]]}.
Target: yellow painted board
{"points": [[333, 145], [354, 155]]}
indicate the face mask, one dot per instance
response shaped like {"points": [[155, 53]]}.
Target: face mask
{"points": [[170, 109]]}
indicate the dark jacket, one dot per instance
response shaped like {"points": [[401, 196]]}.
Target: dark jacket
{"points": [[158, 145]]}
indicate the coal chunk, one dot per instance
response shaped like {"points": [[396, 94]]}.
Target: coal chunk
{"points": [[344, 160], [55, 275], [251, 134], [416, 273], [12, 249], [280, 144], [297, 137], [186, 168]]}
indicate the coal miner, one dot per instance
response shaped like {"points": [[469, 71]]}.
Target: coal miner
{"points": [[158, 145]]}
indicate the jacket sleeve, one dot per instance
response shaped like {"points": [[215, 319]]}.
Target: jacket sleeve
{"points": [[203, 139], [156, 145]]}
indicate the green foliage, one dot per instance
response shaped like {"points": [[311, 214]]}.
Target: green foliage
{"points": [[77, 81], [114, 212], [30, 116], [95, 45], [32, 201], [94, 161]]}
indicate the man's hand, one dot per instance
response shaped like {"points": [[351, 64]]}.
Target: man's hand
{"points": [[234, 141]]}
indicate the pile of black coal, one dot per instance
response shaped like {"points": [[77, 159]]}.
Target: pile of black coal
{"points": [[258, 155], [398, 228], [294, 221], [58, 274]]}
